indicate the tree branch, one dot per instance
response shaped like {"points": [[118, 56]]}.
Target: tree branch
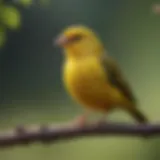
{"points": [[52, 133]]}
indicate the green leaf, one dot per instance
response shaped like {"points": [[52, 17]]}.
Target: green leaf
{"points": [[2, 36], [11, 17]]}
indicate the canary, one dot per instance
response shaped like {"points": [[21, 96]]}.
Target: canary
{"points": [[92, 77]]}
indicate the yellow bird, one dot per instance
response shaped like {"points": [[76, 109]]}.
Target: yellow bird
{"points": [[91, 76]]}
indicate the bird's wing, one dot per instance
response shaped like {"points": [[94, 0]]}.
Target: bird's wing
{"points": [[115, 77]]}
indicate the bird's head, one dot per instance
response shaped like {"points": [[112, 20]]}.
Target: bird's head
{"points": [[79, 41]]}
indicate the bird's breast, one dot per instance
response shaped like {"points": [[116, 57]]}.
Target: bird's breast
{"points": [[80, 76], [87, 82]]}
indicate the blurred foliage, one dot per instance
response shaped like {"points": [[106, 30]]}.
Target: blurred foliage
{"points": [[10, 16], [2, 36], [26, 3]]}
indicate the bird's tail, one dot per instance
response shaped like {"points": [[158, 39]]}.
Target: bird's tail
{"points": [[139, 116]]}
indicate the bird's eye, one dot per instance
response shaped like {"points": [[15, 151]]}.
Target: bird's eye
{"points": [[75, 38]]}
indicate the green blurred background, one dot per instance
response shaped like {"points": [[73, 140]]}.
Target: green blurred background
{"points": [[31, 90]]}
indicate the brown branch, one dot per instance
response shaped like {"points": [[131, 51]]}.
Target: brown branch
{"points": [[52, 133]]}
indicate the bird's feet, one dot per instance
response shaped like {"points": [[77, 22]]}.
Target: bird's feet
{"points": [[102, 121], [81, 120]]}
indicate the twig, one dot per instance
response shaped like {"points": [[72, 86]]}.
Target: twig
{"points": [[52, 133]]}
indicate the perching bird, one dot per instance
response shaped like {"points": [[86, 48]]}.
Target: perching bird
{"points": [[91, 76]]}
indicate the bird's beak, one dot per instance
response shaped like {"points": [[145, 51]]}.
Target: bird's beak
{"points": [[61, 41]]}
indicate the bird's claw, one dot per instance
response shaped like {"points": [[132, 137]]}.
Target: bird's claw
{"points": [[101, 122], [80, 121]]}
